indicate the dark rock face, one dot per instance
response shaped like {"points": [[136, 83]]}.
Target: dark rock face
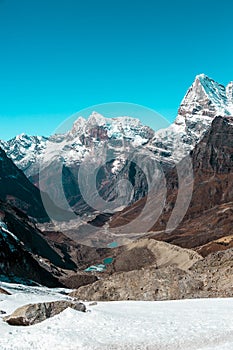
{"points": [[18, 190], [19, 261], [48, 258], [209, 216], [35, 313], [3, 291], [214, 154]]}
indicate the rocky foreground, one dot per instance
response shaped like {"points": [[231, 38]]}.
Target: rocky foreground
{"points": [[168, 272]]}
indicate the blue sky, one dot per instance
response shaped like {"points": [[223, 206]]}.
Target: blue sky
{"points": [[58, 57]]}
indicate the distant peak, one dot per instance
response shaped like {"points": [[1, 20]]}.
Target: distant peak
{"points": [[201, 76], [96, 118], [206, 97], [79, 121], [203, 79], [21, 136]]}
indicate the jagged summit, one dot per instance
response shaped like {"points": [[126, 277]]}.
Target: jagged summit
{"points": [[98, 119], [122, 126], [205, 97], [28, 151], [204, 100]]}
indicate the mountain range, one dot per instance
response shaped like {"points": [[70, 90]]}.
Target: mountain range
{"points": [[204, 100], [202, 133]]}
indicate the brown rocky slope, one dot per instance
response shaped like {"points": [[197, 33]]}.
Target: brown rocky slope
{"points": [[208, 277], [209, 216]]}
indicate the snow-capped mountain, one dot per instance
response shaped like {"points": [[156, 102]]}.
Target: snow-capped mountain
{"points": [[204, 100], [89, 139], [28, 151]]}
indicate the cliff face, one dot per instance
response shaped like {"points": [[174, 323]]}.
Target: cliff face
{"points": [[18, 190], [209, 216], [214, 154]]}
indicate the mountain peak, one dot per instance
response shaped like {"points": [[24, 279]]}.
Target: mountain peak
{"points": [[78, 125], [206, 98], [96, 119], [201, 77]]}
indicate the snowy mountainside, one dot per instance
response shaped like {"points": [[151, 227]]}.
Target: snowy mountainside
{"points": [[28, 151], [204, 100]]}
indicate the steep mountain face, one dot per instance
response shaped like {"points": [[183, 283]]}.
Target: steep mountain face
{"points": [[16, 189], [25, 254], [85, 137], [204, 100]]}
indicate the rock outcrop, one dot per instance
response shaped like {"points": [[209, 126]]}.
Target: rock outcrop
{"points": [[3, 291], [35, 313], [210, 277]]}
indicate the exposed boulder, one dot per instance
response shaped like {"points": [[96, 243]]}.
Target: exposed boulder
{"points": [[3, 291], [30, 314]]}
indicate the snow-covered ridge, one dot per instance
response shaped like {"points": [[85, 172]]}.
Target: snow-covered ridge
{"points": [[207, 96], [28, 151], [118, 128], [204, 100]]}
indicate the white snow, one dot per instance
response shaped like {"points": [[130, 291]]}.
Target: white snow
{"points": [[202, 324]]}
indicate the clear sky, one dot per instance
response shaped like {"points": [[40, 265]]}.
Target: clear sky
{"points": [[60, 56]]}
